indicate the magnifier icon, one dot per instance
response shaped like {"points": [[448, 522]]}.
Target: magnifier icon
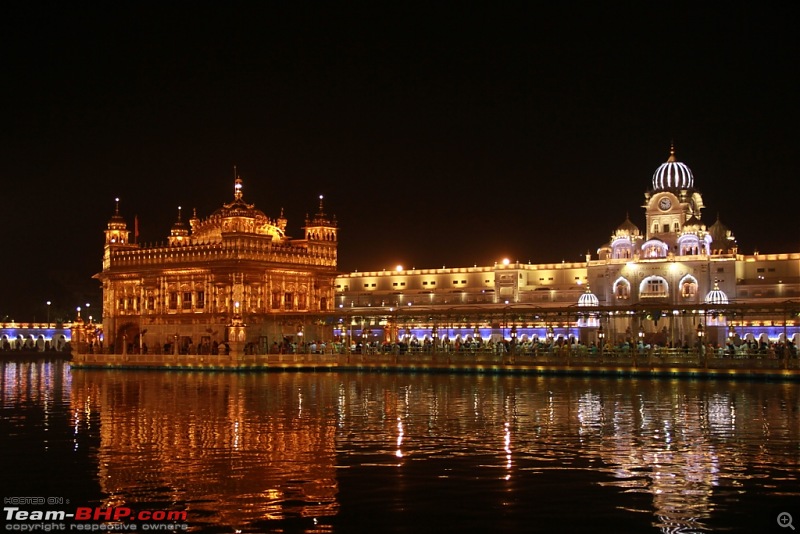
{"points": [[785, 520]]}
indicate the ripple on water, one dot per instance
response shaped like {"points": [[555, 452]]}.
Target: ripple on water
{"points": [[309, 452]]}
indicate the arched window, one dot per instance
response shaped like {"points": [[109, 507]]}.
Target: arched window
{"points": [[622, 289], [622, 253], [652, 252], [689, 288], [653, 287], [622, 248]]}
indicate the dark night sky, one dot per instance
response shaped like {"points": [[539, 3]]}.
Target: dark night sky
{"points": [[445, 135]]}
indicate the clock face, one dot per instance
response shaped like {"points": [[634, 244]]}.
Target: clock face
{"points": [[665, 204]]}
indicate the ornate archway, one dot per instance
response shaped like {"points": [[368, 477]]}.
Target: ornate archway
{"points": [[127, 333]]}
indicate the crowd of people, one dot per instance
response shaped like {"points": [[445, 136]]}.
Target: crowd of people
{"points": [[533, 347], [30, 345]]}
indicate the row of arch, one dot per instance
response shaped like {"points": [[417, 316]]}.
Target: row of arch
{"points": [[31, 342], [655, 286], [688, 245]]}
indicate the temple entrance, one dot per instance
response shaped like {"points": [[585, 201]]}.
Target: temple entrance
{"points": [[128, 339]]}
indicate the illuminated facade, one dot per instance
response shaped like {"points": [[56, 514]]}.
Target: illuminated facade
{"points": [[677, 281], [236, 278], [40, 337], [233, 281]]}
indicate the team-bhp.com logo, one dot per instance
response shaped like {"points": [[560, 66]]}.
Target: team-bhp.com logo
{"points": [[97, 519], [121, 513]]}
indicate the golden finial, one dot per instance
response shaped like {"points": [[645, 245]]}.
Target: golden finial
{"points": [[671, 158]]}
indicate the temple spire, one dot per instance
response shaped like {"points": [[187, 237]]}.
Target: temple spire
{"points": [[237, 189], [179, 233]]}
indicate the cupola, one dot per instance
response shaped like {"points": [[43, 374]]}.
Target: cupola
{"points": [[179, 234], [117, 230], [672, 175]]}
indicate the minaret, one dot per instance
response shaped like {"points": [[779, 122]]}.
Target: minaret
{"points": [[117, 236], [117, 232], [321, 228], [194, 222], [179, 234], [281, 222]]}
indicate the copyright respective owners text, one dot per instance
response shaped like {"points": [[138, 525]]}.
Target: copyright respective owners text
{"points": [[58, 514]]}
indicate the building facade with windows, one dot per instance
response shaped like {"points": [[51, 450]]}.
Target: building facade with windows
{"points": [[674, 282], [232, 279], [236, 279]]}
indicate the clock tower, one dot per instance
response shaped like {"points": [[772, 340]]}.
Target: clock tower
{"points": [[672, 210]]}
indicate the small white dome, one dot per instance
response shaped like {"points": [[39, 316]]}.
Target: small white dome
{"points": [[716, 295], [588, 299]]}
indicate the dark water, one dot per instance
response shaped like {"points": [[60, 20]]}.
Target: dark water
{"points": [[307, 452]]}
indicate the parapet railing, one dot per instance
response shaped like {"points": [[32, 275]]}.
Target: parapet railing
{"points": [[339, 356]]}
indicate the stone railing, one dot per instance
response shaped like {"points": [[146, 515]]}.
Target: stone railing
{"points": [[658, 358]]}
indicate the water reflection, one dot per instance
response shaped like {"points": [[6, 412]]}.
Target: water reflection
{"points": [[681, 443], [339, 452], [230, 447]]}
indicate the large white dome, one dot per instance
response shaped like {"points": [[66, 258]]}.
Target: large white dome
{"points": [[672, 175]]}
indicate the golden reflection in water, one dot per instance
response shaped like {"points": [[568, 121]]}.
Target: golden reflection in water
{"points": [[674, 440], [203, 441], [250, 447], [399, 452]]}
